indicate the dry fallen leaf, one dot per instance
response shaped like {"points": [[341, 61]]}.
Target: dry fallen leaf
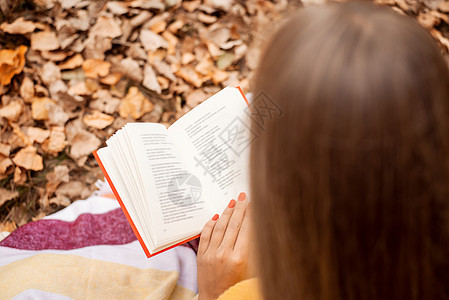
{"points": [[6, 195], [190, 76], [72, 63], [56, 142], [29, 159], [11, 63], [27, 89], [98, 120], [11, 111], [5, 149], [131, 69], [150, 80], [5, 163], [152, 41], [94, 68], [111, 79], [135, 104], [73, 190], [55, 177], [44, 41], [40, 107], [84, 143], [19, 26], [106, 27], [35, 134], [50, 73], [20, 176], [60, 200]]}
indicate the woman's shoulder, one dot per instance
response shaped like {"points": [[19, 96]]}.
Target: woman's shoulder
{"points": [[247, 289]]}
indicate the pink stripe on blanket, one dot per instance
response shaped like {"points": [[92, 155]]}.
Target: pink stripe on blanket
{"points": [[110, 228]]}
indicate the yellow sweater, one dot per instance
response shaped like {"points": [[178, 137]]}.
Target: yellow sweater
{"points": [[246, 289]]}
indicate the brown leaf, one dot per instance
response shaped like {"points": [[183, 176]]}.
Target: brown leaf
{"points": [[60, 200], [27, 89], [44, 41], [8, 226], [152, 41], [29, 159], [5, 163], [196, 97], [82, 88], [218, 76], [72, 63], [190, 76], [84, 143], [428, 21], [5, 149], [98, 120], [444, 6], [57, 115], [105, 102], [20, 176], [56, 143], [55, 177], [35, 134], [55, 55], [50, 73], [19, 26], [131, 69], [208, 19], [106, 27], [11, 63], [11, 111], [150, 80], [94, 68], [135, 104], [96, 46], [6, 195], [111, 79], [40, 107]]}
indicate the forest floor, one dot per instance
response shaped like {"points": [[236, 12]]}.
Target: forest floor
{"points": [[72, 72]]}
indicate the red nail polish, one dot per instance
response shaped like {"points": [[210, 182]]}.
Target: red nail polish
{"points": [[231, 204], [242, 196], [215, 217]]}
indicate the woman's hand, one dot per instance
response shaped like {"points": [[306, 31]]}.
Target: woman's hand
{"points": [[223, 250]]}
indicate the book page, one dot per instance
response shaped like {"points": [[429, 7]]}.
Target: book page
{"points": [[174, 202], [214, 140]]}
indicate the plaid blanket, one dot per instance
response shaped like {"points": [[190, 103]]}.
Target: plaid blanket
{"points": [[88, 251]]}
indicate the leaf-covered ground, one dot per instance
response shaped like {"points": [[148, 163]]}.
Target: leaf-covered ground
{"points": [[72, 72]]}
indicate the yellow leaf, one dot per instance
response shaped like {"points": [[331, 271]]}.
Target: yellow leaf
{"points": [[135, 104], [94, 68], [11, 63]]}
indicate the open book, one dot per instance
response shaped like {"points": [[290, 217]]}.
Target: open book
{"points": [[169, 182]]}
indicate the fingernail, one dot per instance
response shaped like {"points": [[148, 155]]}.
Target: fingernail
{"points": [[231, 204], [242, 196], [215, 217]]}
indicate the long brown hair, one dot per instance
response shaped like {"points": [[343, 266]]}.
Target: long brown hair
{"points": [[350, 183]]}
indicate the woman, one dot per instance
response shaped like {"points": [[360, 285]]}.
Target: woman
{"points": [[350, 186]]}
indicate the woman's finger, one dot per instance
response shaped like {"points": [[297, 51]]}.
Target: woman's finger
{"points": [[206, 234], [242, 242], [222, 223], [235, 222]]}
